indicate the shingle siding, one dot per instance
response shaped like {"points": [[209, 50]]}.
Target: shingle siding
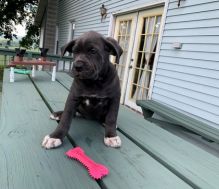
{"points": [[188, 79]]}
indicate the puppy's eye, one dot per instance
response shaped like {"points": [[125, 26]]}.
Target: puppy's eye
{"points": [[92, 51]]}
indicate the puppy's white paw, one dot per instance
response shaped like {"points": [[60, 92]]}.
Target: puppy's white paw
{"points": [[57, 118], [49, 143], [113, 142]]}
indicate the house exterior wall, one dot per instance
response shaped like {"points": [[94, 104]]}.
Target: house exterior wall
{"points": [[188, 78], [42, 32], [86, 15], [50, 25]]}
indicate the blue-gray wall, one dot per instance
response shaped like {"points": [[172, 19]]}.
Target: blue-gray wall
{"points": [[86, 14], [188, 79]]}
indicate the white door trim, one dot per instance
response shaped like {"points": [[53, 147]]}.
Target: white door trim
{"points": [[148, 5], [163, 21], [145, 6], [150, 12], [133, 17]]}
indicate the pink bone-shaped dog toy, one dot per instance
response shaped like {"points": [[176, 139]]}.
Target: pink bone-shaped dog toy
{"points": [[96, 170]]}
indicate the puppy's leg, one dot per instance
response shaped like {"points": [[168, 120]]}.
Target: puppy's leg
{"points": [[111, 138], [56, 115], [103, 124], [55, 139]]}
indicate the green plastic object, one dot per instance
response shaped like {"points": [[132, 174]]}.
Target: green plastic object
{"points": [[22, 71]]}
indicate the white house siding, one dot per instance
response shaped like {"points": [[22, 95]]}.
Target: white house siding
{"points": [[188, 79], [86, 15]]}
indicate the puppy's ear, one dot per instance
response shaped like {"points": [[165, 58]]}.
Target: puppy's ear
{"points": [[114, 47], [68, 47]]}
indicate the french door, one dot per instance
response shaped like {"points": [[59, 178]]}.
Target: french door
{"points": [[137, 33]]}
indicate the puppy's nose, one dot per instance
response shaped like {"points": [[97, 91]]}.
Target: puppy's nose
{"points": [[78, 66]]}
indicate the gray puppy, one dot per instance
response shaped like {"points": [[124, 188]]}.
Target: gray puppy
{"points": [[95, 91]]}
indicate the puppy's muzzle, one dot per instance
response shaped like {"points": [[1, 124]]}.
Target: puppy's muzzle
{"points": [[78, 66]]}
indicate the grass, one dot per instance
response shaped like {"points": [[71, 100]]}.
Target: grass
{"points": [[4, 60], [1, 60]]}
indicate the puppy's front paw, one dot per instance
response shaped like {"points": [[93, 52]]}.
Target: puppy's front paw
{"points": [[113, 142], [49, 143]]}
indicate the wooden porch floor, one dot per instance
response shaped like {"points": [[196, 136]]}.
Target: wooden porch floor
{"points": [[150, 157]]}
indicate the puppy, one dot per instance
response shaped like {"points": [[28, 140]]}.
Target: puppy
{"points": [[95, 91]]}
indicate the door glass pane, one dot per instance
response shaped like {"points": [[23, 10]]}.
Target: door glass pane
{"points": [[145, 57], [124, 40], [157, 26], [151, 25]]}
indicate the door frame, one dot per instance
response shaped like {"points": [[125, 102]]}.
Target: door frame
{"points": [[133, 17], [145, 6], [150, 12]]}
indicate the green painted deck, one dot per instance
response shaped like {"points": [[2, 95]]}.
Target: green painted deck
{"points": [[150, 157]]}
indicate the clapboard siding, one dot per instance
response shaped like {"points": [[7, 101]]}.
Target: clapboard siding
{"points": [[188, 78], [204, 81], [210, 31], [195, 8], [173, 3], [178, 100], [194, 89], [86, 15], [191, 70], [204, 116], [197, 24], [201, 99], [191, 55], [213, 48], [195, 16], [192, 39]]}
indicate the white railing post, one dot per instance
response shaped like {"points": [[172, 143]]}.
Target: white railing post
{"points": [[54, 73], [33, 71], [12, 74]]}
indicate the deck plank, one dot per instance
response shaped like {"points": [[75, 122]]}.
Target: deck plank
{"points": [[199, 167], [130, 167], [196, 166], [64, 79], [23, 162]]}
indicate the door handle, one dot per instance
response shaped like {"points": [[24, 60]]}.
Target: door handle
{"points": [[130, 67]]}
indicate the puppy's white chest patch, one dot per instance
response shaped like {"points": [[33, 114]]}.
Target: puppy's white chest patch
{"points": [[87, 102]]}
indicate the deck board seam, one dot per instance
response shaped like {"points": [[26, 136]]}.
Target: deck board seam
{"points": [[58, 81], [70, 139], [160, 160], [153, 155]]}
